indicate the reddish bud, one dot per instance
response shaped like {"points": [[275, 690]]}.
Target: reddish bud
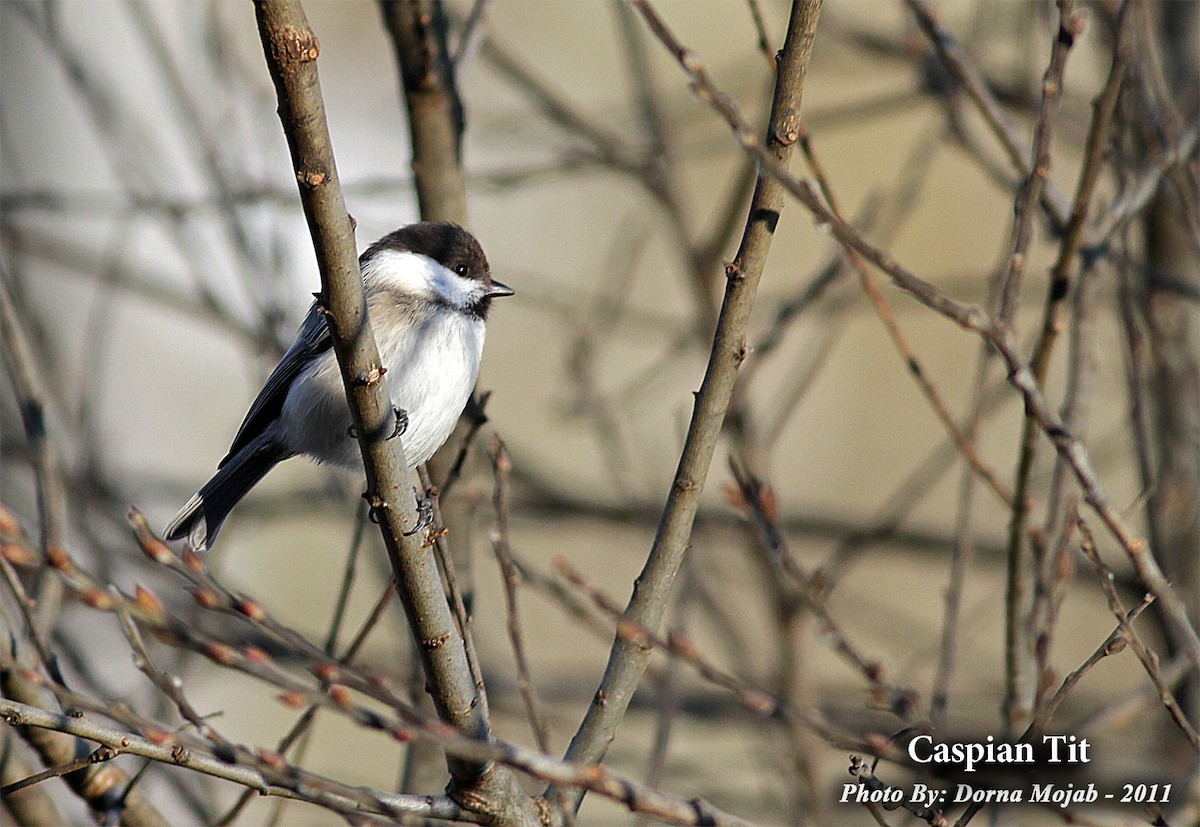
{"points": [[193, 560], [206, 597], [158, 737], [271, 758], [151, 546], [878, 743], [761, 703], [294, 700], [593, 774], [252, 610], [220, 653], [326, 672], [148, 603], [680, 643], [97, 598], [733, 496], [255, 654], [769, 503], [59, 559], [9, 525], [18, 554], [340, 695], [630, 631]]}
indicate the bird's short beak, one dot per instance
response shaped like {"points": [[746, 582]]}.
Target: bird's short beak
{"points": [[498, 289]]}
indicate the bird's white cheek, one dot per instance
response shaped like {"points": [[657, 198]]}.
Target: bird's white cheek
{"points": [[455, 290]]}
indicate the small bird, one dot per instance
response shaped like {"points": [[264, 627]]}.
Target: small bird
{"points": [[428, 289]]}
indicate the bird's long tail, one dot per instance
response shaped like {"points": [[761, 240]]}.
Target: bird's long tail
{"points": [[201, 517]]}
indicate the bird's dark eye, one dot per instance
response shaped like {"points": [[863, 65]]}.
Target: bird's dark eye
{"points": [[462, 269]]}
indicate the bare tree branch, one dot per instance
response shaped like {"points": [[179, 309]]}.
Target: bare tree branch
{"points": [[627, 660], [291, 49]]}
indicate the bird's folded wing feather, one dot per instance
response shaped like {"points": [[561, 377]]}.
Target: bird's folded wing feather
{"points": [[312, 340]]}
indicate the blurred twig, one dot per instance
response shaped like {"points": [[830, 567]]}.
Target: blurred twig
{"points": [[998, 336], [434, 111], [1002, 126], [1019, 680], [502, 463]]}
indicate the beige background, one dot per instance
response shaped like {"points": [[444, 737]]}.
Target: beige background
{"points": [[163, 391]]}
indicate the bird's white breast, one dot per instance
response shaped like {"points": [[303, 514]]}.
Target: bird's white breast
{"points": [[430, 346], [431, 372]]}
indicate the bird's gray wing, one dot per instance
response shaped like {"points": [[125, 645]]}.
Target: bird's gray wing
{"points": [[312, 340]]}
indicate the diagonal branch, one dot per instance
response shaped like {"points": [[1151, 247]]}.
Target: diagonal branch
{"points": [[435, 115], [291, 50], [652, 590]]}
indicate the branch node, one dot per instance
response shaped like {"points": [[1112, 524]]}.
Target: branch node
{"points": [[299, 45], [435, 642], [312, 178], [788, 130], [377, 505], [686, 486], [370, 377]]}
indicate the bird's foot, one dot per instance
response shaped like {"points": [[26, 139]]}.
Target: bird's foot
{"points": [[401, 424], [424, 514]]}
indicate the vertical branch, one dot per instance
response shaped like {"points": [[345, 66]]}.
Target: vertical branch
{"points": [[1070, 26], [417, 30], [51, 490], [502, 467], [435, 114], [652, 590], [291, 50], [1170, 297]]}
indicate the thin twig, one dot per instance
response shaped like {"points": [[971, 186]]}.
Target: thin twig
{"points": [[811, 589], [1070, 26], [99, 756], [977, 89], [750, 697], [887, 316], [502, 468], [1019, 688], [1148, 658], [998, 336], [171, 752]]}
